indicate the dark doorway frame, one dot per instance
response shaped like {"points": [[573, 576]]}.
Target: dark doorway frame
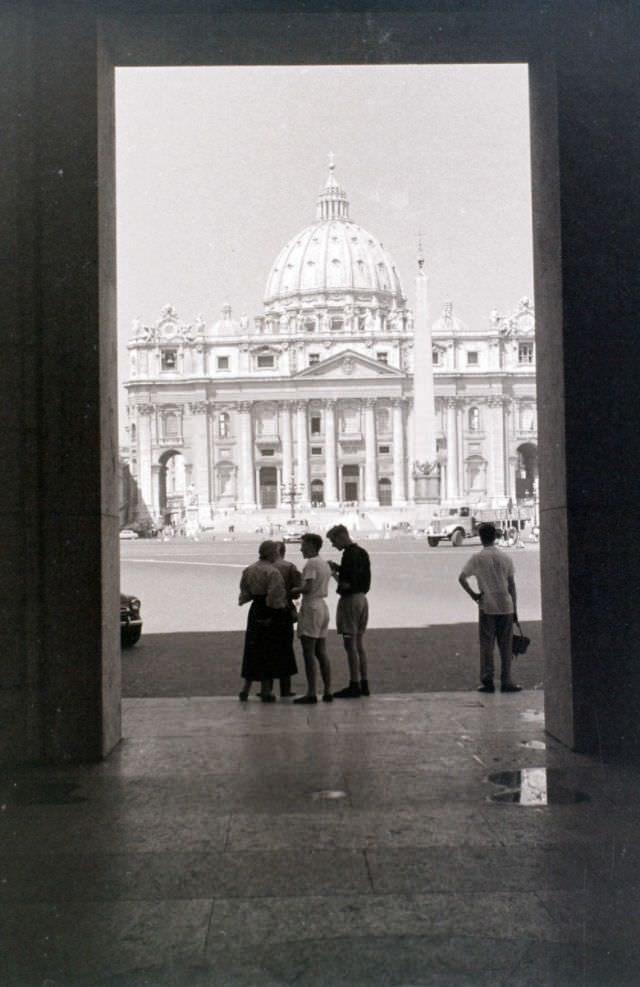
{"points": [[61, 680]]}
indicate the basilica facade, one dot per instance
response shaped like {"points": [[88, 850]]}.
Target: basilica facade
{"points": [[337, 394]]}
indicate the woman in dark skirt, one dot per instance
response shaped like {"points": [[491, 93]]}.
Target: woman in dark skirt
{"points": [[268, 652]]}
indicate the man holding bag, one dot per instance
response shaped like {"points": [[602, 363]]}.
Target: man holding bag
{"points": [[497, 607]]}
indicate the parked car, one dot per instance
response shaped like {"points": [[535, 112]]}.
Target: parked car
{"points": [[401, 526], [130, 620], [129, 533], [295, 529]]}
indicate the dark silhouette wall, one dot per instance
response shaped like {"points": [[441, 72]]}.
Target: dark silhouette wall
{"points": [[60, 682]]}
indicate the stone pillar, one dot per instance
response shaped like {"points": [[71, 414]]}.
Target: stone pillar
{"points": [[246, 477], [495, 428], [460, 413], [302, 452], [145, 458], [399, 491], [287, 444], [200, 453], [410, 450], [330, 491], [453, 480], [370, 454], [60, 677]]}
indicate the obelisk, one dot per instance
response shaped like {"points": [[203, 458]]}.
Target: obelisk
{"points": [[426, 474]]}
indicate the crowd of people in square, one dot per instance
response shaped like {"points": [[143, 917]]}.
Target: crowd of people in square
{"points": [[273, 585]]}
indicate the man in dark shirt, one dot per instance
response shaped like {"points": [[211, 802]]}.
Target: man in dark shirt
{"points": [[353, 576]]}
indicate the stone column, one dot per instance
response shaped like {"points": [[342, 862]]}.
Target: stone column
{"points": [[330, 492], [302, 452], [246, 478], [410, 450], [145, 456], [370, 453], [495, 411], [200, 455], [460, 411], [287, 443], [453, 478], [399, 495]]}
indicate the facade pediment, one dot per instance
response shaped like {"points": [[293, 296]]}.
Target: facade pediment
{"points": [[349, 364]]}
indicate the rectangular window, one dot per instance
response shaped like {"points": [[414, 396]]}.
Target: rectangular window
{"points": [[384, 449], [265, 361], [382, 358], [223, 363], [314, 358], [169, 359], [435, 357], [316, 425], [525, 352], [267, 452], [472, 358], [337, 325], [309, 325], [316, 450]]}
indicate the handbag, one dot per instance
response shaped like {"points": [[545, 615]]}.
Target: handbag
{"points": [[520, 641]]}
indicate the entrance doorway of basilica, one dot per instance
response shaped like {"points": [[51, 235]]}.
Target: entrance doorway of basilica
{"points": [[351, 483], [172, 486], [268, 486], [527, 470]]}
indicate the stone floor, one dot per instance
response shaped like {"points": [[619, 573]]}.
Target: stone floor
{"points": [[357, 844]]}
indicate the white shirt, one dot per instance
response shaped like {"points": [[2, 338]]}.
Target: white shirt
{"points": [[492, 569], [317, 570]]}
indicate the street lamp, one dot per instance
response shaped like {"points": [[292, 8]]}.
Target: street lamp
{"points": [[291, 492]]}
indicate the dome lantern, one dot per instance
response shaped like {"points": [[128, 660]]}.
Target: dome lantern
{"points": [[332, 201]]}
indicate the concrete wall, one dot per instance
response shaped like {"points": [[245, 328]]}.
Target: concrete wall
{"points": [[60, 639], [60, 674]]}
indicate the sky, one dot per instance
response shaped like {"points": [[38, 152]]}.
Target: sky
{"points": [[217, 168]]}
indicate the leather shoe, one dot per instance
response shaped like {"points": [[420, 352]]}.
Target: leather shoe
{"points": [[487, 687], [305, 700], [510, 687]]}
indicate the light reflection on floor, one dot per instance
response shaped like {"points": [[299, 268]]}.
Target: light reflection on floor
{"points": [[534, 787]]}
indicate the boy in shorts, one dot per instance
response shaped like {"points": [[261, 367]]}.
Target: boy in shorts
{"points": [[353, 576], [313, 618]]}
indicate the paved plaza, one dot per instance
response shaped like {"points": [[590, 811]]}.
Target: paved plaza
{"points": [[355, 845], [422, 636]]}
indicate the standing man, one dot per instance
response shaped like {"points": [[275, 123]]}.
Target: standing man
{"points": [[496, 599], [353, 576]]}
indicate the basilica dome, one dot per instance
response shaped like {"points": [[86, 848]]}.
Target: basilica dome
{"points": [[333, 256]]}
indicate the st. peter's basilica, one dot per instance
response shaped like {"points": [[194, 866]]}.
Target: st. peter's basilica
{"points": [[337, 394]]}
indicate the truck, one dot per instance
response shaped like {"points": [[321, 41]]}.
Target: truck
{"points": [[457, 524]]}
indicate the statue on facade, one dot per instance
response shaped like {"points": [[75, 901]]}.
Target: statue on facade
{"points": [[244, 323]]}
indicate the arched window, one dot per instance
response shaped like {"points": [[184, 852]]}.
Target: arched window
{"points": [[224, 425], [474, 419]]}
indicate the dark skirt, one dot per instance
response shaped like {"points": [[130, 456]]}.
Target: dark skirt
{"points": [[268, 643]]}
